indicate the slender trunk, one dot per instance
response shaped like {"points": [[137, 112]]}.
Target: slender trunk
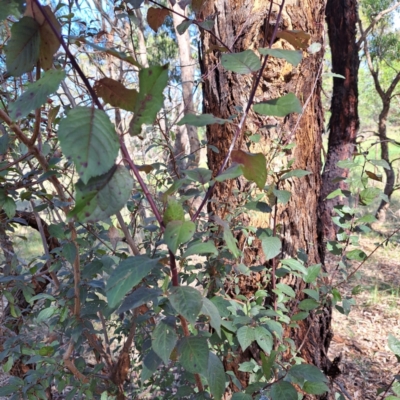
{"points": [[187, 139], [341, 17], [389, 172], [241, 28]]}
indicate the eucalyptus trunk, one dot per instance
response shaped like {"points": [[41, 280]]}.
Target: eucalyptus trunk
{"points": [[241, 25]]}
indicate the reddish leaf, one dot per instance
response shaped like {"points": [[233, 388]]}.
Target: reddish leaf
{"points": [[254, 166], [156, 17], [298, 39], [116, 94], [374, 176]]}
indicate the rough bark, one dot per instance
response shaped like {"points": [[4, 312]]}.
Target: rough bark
{"points": [[241, 25], [341, 17]]}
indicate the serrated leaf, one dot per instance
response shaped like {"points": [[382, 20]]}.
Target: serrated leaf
{"points": [[178, 232], [283, 391], [254, 166], [264, 339], [186, 301], [156, 17], [194, 354], [22, 50], [291, 56], [201, 248], [208, 308], [279, 107], [164, 339], [245, 336], [36, 94], [315, 387], [103, 195], [215, 376], [88, 137], [150, 365], [140, 296], [230, 173], [271, 246], [296, 173], [152, 82], [298, 39], [245, 62], [116, 94], [201, 120], [126, 275], [307, 372]]}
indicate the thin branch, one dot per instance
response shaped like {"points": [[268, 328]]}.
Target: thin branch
{"points": [[127, 234]]}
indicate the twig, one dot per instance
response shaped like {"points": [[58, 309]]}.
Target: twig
{"points": [[127, 234]]}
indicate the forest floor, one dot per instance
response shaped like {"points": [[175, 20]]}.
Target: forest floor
{"points": [[362, 337]]}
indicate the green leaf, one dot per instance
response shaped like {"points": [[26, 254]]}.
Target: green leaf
{"points": [[308, 305], [312, 273], [307, 372], [368, 195], [126, 275], [259, 206], [194, 354], [230, 173], [335, 193], [10, 7], [178, 232], [254, 166], [103, 195], [380, 163], [286, 289], [279, 107], [215, 376], [264, 339], [164, 339], [291, 56], [315, 387], [357, 255], [9, 207], [201, 248], [46, 351], [201, 175], [271, 246], [231, 241], [69, 251], [295, 265], [246, 336], [394, 344], [88, 137], [186, 301], [267, 364], [22, 50], [283, 196], [150, 365], [10, 389], [46, 314], [140, 296], [208, 308], [152, 82], [245, 62], [296, 173], [201, 120], [36, 94], [283, 391], [183, 26], [241, 396]]}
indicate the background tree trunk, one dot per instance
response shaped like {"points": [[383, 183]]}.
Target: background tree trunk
{"points": [[241, 25], [341, 17]]}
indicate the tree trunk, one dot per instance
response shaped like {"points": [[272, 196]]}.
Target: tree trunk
{"points": [[389, 172], [245, 21], [341, 17]]}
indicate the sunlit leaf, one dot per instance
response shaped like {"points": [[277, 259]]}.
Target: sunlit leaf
{"points": [[36, 94], [152, 82], [201, 120], [291, 56], [102, 196], [201, 248], [245, 62], [178, 232], [231, 173], [127, 274], [298, 39], [254, 166], [22, 50], [279, 107], [208, 308], [156, 17], [271, 246], [245, 336], [88, 137], [116, 94]]}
